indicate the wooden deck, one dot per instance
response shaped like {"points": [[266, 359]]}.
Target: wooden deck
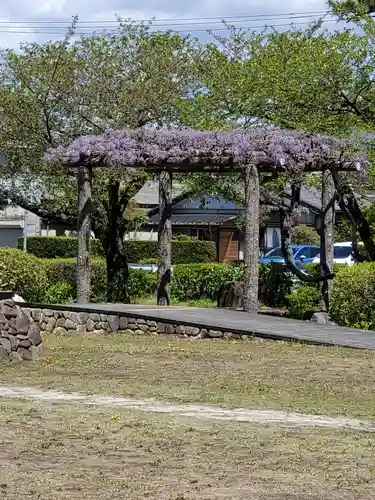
{"points": [[260, 325]]}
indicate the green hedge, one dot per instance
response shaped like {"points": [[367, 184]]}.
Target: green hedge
{"points": [[55, 247], [183, 252], [190, 282], [353, 296], [64, 271], [202, 281], [304, 302], [306, 297], [275, 284], [23, 274]]}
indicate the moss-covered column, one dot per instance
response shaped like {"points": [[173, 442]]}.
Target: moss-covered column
{"points": [[326, 232], [251, 247], [164, 237], [84, 181]]}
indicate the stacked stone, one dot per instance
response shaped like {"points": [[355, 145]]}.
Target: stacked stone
{"points": [[20, 337], [59, 322], [71, 322]]}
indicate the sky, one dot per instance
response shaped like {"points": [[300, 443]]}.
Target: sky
{"points": [[42, 20]]}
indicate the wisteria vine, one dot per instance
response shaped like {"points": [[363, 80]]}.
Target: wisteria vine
{"points": [[153, 148]]}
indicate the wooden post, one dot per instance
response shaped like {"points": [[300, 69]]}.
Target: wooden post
{"points": [[164, 236], [84, 181], [251, 247], [326, 232]]}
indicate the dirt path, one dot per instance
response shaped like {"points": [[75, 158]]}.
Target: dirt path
{"points": [[281, 418]]}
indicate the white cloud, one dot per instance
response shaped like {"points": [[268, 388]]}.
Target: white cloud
{"points": [[14, 15]]}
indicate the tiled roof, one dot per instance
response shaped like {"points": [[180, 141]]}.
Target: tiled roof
{"points": [[197, 219], [149, 194]]}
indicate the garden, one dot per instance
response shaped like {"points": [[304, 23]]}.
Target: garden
{"points": [[111, 413], [197, 278]]}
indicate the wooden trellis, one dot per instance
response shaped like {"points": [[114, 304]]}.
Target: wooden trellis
{"points": [[164, 152]]}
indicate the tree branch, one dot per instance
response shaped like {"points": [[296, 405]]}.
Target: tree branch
{"points": [[129, 191], [352, 211], [48, 128], [286, 225], [354, 107]]}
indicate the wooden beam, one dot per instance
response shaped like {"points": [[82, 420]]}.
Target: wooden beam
{"points": [[164, 236], [221, 166], [251, 247], [84, 182]]}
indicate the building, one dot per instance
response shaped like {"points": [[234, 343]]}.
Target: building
{"points": [[213, 219], [12, 223]]}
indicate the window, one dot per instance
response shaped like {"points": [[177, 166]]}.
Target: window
{"points": [[276, 252], [309, 252], [342, 252]]}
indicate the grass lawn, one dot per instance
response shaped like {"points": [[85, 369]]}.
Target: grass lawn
{"points": [[254, 374], [71, 452], [151, 301]]}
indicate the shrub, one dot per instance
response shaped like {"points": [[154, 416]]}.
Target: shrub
{"points": [[343, 231], [275, 283], [141, 284], [53, 247], [304, 302], [64, 271], [183, 252], [184, 237], [202, 281], [59, 293], [353, 296], [303, 234], [152, 260], [22, 274]]}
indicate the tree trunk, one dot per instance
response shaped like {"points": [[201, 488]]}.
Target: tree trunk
{"points": [[117, 266], [251, 248], [164, 237], [326, 233], [84, 181], [117, 272]]}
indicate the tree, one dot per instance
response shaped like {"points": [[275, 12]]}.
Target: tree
{"points": [[58, 91], [302, 234], [352, 9], [303, 79], [273, 77]]}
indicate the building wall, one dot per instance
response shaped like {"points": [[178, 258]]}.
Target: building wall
{"points": [[228, 245], [144, 235], [9, 236], [12, 222]]}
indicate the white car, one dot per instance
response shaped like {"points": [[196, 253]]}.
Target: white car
{"points": [[342, 254], [147, 268]]}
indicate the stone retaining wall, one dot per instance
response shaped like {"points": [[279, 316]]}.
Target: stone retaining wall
{"points": [[20, 337], [72, 323]]}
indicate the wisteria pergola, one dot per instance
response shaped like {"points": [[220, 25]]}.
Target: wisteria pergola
{"points": [[257, 151]]}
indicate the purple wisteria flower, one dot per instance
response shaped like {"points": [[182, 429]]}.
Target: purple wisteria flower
{"points": [[190, 149]]}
